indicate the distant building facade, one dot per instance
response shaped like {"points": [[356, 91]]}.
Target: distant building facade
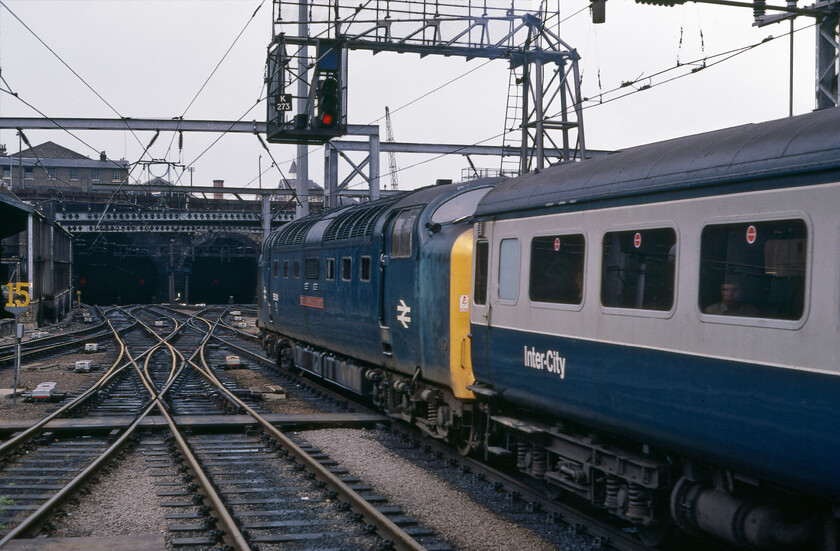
{"points": [[50, 166]]}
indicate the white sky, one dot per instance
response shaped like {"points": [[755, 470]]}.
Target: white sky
{"points": [[149, 58]]}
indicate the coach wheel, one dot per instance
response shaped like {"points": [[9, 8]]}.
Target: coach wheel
{"points": [[665, 536]]}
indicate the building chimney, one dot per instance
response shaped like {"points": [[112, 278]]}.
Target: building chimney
{"points": [[2, 150], [103, 157], [219, 184]]}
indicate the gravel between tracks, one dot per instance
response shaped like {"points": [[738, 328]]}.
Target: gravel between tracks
{"points": [[123, 503], [54, 370], [433, 502], [248, 378]]}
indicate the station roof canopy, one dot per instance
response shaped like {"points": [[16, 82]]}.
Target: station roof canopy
{"points": [[13, 214]]}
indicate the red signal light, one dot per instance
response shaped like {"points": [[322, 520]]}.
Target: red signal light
{"points": [[329, 102]]}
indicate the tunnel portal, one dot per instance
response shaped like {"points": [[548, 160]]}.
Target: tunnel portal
{"points": [[204, 267]]}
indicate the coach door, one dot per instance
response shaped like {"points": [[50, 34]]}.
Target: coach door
{"points": [[398, 308], [480, 307]]}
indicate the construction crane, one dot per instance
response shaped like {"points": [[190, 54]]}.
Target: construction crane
{"points": [[392, 157]]}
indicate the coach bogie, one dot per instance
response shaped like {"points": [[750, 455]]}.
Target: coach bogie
{"points": [[624, 480]]}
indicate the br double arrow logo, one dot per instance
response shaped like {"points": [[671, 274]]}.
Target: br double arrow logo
{"points": [[404, 310]]}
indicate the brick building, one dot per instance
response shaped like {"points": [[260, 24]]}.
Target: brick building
{"points": [[50, 166]]}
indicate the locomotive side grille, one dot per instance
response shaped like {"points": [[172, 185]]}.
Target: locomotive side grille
{"points": [[293, 233], [358, 222], [310, 268]]}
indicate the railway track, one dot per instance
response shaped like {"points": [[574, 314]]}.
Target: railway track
{"points": [[517, 492], [214, 487], [40, 347], [223, 473]]}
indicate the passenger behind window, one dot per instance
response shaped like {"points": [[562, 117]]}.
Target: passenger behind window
{"points": [[730, 302]]}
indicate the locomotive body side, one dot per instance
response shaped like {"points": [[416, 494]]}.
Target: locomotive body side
{"points": [[384, 326], [317, 295]]}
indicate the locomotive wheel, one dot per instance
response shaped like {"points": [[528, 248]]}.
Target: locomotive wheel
{"points": [[462, 439]]}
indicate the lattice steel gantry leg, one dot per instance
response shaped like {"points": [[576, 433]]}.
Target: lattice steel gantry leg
{"points": [[828, 61], [551, 112]]}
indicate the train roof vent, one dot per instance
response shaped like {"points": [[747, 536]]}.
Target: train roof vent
{"points": [[293, 233], [358, 222]]}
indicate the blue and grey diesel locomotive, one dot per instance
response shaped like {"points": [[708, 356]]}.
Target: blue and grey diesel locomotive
{"points": [[655, 331], [375, 297]]}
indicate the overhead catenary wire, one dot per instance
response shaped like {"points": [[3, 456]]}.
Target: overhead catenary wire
{"points": [[349, 17], [40, 163], [60, 59], [15, 95], [602, 95], [699, 64], [434, 90], [728, 55], [274, 164], [116, 191], [213, 72], [261, 99], [223, 134]]}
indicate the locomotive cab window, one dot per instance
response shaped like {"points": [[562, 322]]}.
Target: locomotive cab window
{"points": [[482, 257], [754, 269], [296, 269], [557, 269], [346, 268], [638, 269], [276, 265], [459, 206], [329, 268], [364, 269], [508, 269], [286, 269], [402, 232]]}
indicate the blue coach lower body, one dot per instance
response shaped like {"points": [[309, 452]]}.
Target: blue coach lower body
{"points": [[781, 424]]}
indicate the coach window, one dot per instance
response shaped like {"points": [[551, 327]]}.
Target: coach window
{"points": [[557, 269], [276, 266], [346, 268], [482, 249], [401, 233], [286, 269], [310, 268], [754, 269], [638, 269], [330, 269], [364, 270], [508, 269], [296, 269]]}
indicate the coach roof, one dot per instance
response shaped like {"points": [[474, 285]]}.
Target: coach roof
{"points": [[688, 165]]}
